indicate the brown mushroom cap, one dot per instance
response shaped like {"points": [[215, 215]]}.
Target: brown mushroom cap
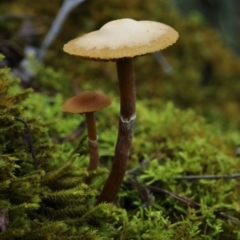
{"points": [[122, 38], [86, 102]]}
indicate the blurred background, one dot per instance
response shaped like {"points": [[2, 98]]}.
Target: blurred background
{"points": [[201, 71]]}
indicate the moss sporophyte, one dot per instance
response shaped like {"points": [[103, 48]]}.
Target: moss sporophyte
{"points": [[120, 41]]}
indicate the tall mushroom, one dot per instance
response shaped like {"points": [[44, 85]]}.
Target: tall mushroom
{"points": [[120, 41], [87, 103]]}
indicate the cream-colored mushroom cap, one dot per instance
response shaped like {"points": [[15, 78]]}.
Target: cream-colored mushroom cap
{"points": [[86, 101], [123, 38]]}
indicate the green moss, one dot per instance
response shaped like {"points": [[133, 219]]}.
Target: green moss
{"points": [[52, 202], [43, 201]]}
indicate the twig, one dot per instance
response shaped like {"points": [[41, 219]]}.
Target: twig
{"points": [[136, 170], [77, 132], [66, 8], [162, 61], [143, 192], [4, 220], [77, 148], [208, 177], [218, 213], [73, 135], [29, 141]]}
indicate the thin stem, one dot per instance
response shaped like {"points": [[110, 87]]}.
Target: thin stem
{"points": [[4, 220], [77, 149], [125, 130], [92, 142], [208, 177], [29, 142], [196, 205]]}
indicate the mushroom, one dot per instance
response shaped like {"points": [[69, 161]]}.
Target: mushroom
{"points": [[120, 41], [87, 103]]}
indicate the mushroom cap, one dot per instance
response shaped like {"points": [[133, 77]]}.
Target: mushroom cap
{"points": [[86, 101], [123, 38]]}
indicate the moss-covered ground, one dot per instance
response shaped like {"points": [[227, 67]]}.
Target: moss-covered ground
{"points": [[187, 124]]}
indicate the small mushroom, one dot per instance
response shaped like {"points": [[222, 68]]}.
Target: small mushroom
{"points": [[87, 103], [120, 41]]}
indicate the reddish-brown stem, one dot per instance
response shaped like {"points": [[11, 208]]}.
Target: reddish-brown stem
{"points": [[125, 130], [92, 141]]}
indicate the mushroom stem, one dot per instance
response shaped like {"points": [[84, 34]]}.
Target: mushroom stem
{"points": [[125, 130], [92, 141]]}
